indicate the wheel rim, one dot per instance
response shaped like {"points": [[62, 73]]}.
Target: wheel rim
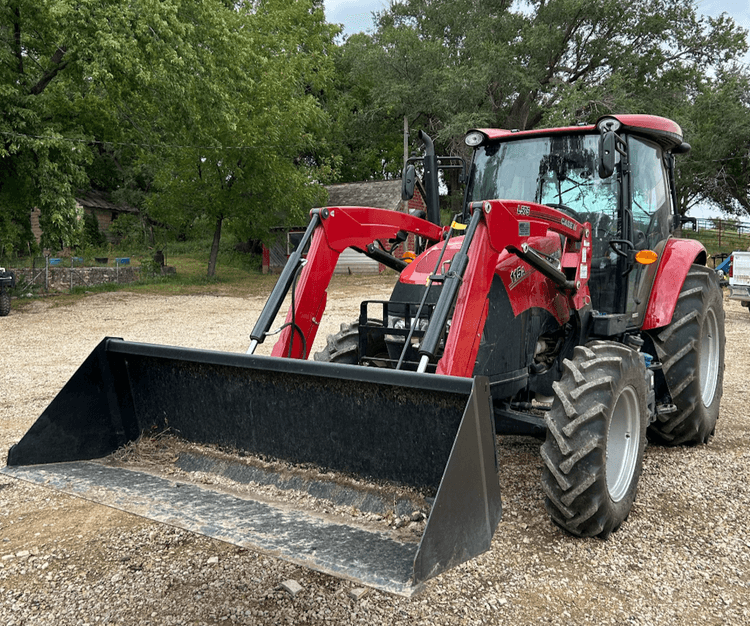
{"points": [[709, 373], [622, 444]]}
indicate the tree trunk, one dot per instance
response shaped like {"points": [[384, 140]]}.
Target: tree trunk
{"points": [[455, 192], [215, 248]]}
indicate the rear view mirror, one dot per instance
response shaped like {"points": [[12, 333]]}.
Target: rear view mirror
{"points": [[607, 149], [408, 182]]}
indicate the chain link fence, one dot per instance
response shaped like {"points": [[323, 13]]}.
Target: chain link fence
{"points": [[65, 273]]}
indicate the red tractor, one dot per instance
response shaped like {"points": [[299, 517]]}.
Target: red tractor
{"points": [[595, 326], [559, 304]]}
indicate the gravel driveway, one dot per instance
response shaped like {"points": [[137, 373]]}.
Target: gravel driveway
{"points": [[682, 557]]}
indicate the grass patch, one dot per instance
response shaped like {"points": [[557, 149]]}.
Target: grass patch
{"points": [[237, 275], [719, 242]]}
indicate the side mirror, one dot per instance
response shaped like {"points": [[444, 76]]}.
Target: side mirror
{"points": [[684, 219], [607, 149], [408, 182]]}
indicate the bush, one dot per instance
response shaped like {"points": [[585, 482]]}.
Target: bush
{"points": [[92, 236], [128, 230]]}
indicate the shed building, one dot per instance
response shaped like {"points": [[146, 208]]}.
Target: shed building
{"points": [[384, 194], [95, 203]]}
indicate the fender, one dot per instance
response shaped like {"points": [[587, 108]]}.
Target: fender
{"points": [[678, 256]]}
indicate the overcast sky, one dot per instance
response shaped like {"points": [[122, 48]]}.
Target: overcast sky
{"points": [[356, 15]]}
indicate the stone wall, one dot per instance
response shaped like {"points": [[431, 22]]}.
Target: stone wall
{"points": [[63, 278]]}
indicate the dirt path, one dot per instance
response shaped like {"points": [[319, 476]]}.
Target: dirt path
{"points": [[683, 556]]}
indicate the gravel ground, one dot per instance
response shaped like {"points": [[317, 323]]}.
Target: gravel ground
{"points": [[683, 556]]}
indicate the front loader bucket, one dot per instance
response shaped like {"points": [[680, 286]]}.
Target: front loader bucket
{"points": [[425, 432]]}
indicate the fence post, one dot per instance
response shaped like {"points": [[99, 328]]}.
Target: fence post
{"points": [[720, 222]]}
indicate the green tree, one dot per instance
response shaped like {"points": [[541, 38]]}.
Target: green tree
{"points": [[717, 124], [451, 66], [211, 104], [63, 66], [243, 129]]}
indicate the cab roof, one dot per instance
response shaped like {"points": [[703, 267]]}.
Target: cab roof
{"points": [[659, 129]]}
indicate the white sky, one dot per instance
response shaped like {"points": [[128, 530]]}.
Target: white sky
{"points": [[356, 16]]}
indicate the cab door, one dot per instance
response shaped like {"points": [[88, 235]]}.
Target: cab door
{"points": [[650, 208]]}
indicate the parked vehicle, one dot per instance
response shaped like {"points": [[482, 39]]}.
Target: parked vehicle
{"points": [[739, 278], [723, 269], [7, 281]]}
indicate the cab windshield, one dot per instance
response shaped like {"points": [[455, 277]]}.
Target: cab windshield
{"points": [[561, 172]]}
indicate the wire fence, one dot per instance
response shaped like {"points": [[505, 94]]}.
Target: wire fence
{"points": [[65, 273], [720, 236]]}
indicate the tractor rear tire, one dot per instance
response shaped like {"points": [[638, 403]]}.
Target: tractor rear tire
{"points": [[4, 303], [596, 437], [691, 350], [343, 347]]}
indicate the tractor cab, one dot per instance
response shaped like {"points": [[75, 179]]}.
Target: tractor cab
{"points": [[617, 175]]}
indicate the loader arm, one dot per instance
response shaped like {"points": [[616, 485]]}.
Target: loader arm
{"points": [[338, 228], [508, 225]]}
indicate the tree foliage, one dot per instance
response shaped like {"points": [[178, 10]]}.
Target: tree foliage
{"points": [[717, 123], [248, 111], [228, 115], [62, 65], [192, 110], [450, 66]]}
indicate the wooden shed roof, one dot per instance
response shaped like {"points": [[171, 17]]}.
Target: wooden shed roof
{"points": [[379, 194], [100, 200]]}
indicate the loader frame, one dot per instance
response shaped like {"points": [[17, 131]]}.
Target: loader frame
{"points": [[494, 226]]}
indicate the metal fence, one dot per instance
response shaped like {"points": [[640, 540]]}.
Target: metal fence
{"points": [[726, 231], [61, 273]]}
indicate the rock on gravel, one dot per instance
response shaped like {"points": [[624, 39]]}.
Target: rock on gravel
{"points": [[683, 556]]}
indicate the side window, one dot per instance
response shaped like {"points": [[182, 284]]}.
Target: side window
{"points": [[650, 194], [293, 239]]}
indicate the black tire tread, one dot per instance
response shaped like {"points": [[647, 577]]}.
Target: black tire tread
{"points": [[677, 346], [574, 474], [343, 347], [4, 303]]}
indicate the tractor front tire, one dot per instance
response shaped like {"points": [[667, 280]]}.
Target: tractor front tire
{"points": [[343, 347], [691, 350], [4, 303], [596, 437]]}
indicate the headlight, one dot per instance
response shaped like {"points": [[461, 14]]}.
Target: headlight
{"points": [[607, 124], [475, 138]]}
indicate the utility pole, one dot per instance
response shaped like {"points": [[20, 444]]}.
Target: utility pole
{"points": [[406, 139]]}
